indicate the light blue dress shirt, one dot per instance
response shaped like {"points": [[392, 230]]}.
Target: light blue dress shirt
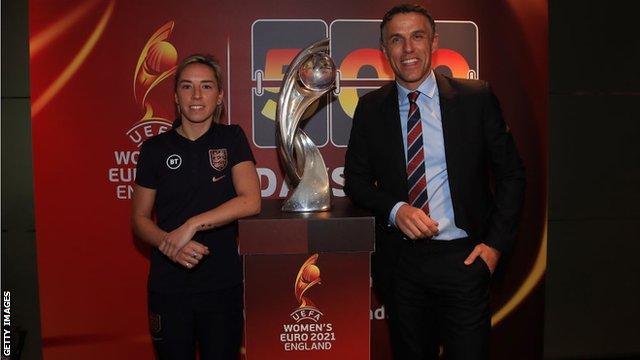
{"points": [[439, 194]]}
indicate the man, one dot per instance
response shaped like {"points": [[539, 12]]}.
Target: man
{"points": [[424, 154]]}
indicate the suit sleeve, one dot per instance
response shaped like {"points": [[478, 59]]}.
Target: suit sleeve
{"points": [[361, 181], [508, 174]]}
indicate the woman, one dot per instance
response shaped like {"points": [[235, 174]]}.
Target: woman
{"points": [[198, 178]]}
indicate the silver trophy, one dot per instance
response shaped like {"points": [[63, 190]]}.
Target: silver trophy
{"points": [[310, 75]]}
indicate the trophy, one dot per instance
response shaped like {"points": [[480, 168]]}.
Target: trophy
{"points": [[310, 75]]}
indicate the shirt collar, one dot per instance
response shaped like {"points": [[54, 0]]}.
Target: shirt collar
{"points": [[428, 88], [178, 121]]}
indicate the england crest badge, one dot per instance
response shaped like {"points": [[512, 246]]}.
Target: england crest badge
{"points": [[218, 158]]}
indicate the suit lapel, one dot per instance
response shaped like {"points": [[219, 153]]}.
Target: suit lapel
{"points": [[448, 99], [452, 130], [451, 124], [393, 131]]}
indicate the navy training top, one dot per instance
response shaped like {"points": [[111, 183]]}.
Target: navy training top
{"points": [[192, 177]]}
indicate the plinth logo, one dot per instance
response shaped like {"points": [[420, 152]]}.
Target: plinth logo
{"points": [[308, 277], [308, 332]]}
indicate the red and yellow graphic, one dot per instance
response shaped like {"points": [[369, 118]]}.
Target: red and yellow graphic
{"points": [[358, 58], [308, 276], [45, 38], [352, 63], [156, 63], [277, 60], [454, 61]]}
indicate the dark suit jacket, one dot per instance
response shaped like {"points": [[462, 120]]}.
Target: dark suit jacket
{"points": [[486, 175]]}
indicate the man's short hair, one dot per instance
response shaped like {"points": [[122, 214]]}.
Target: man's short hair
{"points": [[405, 9], [211, 62]]}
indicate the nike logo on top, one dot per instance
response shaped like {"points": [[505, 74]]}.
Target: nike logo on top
{"points": [[218, 178]]}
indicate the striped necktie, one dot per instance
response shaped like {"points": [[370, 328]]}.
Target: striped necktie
{"points": [[416, 171]]}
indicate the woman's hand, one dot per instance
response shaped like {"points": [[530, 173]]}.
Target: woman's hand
{"points": [[174, 241], [191, 254]]}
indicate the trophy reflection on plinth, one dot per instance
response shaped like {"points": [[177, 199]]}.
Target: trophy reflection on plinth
{"points": [[311, 75]]}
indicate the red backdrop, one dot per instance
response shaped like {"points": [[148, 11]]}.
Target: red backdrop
{"points": [[101, 82]]}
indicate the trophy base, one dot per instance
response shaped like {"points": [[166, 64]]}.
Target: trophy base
{"points": [[297, 203]]}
